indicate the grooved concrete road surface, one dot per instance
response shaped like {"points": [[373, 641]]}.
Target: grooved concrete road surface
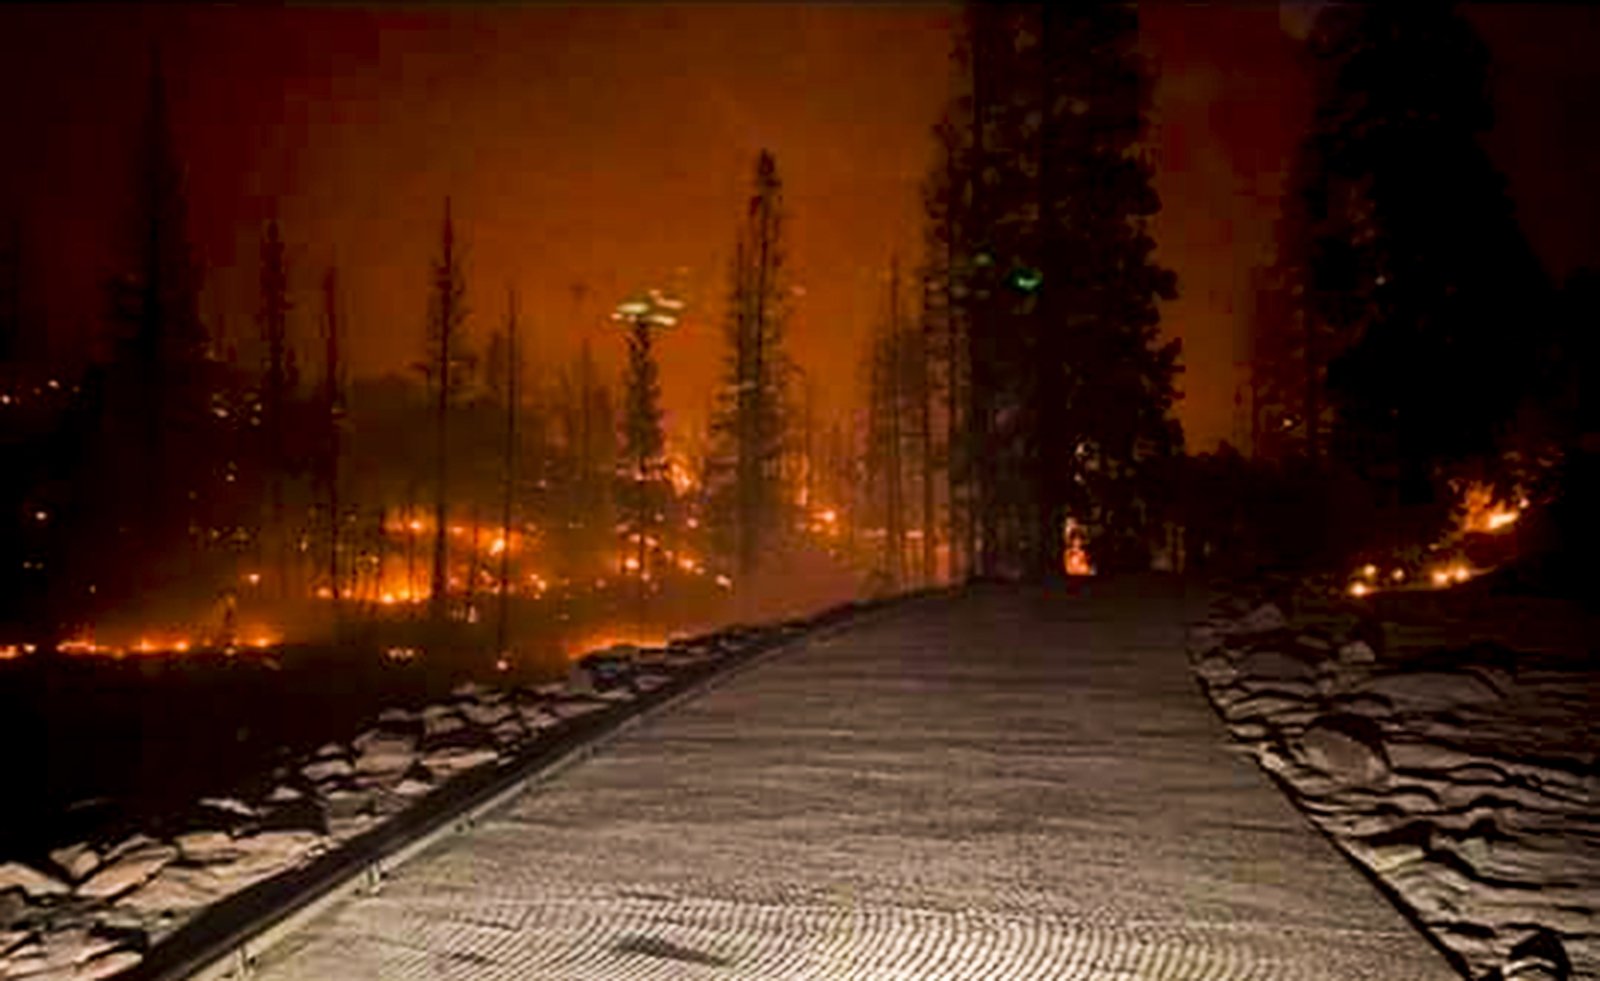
{"points": [[1006, 784]]}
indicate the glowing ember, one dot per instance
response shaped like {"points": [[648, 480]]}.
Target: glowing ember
{"points": [[1480, 513], [1446, 575], [1075, 555], [1359, 589], [606, 641]]}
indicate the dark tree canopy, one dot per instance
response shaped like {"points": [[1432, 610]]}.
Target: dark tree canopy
{"points": [[1048, 196], [1411, 255]]}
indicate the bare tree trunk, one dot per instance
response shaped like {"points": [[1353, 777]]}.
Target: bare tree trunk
{"points": [[960, 516], [748, 463], [411, 542], [925, 404], [513, 371], [982, 524], [474, 544], [895, 529], [1312, 408], [447, 313], [331, 398]]}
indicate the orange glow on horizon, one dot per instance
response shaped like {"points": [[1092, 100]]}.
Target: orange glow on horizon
{"points": [[603, 641]]}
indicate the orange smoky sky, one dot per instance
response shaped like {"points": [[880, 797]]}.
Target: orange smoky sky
{"points": [[591, 151]]}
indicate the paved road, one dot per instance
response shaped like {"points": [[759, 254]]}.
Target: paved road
{"points": [[1007, 785]]}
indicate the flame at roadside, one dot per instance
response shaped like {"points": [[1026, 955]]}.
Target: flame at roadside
{"points": [[1479, 515]]}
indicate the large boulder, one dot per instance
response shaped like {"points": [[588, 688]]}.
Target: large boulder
{"points": [[78, 861], [1540, 957], [1216, 669], [1432, 691], [1357, 652], [383, 753], [1276, 669], [1264, 619], [30, 881], [128, 870], [1348, 749]]}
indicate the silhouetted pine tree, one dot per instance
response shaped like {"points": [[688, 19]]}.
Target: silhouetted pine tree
{"points": [[277, 385], [891, 409], [10, 292], [1069, 386], [151, 454], [643, 491], [750, 422], [1106, 385], [585, 471], [944, 349], [446, 373], [510, 374], [331, 412]]}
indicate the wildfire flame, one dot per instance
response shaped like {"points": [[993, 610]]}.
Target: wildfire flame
{"points": [[1481, 513], [606, 640], [1075, 557]]}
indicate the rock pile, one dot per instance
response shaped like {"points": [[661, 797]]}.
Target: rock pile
{"points": [[1407, 764]]}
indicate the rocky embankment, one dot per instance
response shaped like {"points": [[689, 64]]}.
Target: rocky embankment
{"points": [[92, 909], [1465, 780]]}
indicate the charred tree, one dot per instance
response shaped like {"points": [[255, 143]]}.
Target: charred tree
{"points": [[751, 421], [272, 320], [513, 372], [332, 412], [445, 321]]}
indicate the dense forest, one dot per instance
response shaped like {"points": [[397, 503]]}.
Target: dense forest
{"points": [[177, 480]]}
